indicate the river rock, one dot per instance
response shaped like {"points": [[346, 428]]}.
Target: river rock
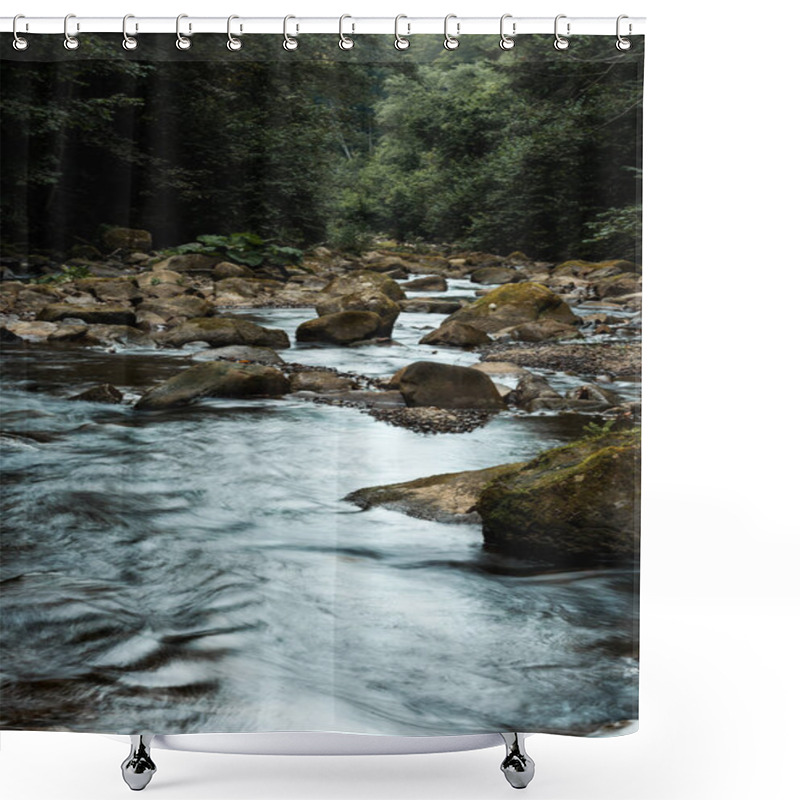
{"points": [[591, 397], [105, 314], [240, 353], [127, 239], [222, 332], [514, 304], [320, 381], [344, 327], [152, 278], [7, 335], [544, 330], [364, 281], [113, 335], [31, 330], [111, 290], [489, 275], [66, 332], [533, 393], [618, 286], [102, 393], [427, 383], [226, 269], [216, 379], [429, 305], [242, 287], [583, 359], [594, 269], [189, 263], [572, 506], [502, 368], [370, 300], [430, 283], [177, 309], [444, 498], [456, 334]]}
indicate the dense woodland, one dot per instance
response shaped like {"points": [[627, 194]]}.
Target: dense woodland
{"points": [[530, 150]]}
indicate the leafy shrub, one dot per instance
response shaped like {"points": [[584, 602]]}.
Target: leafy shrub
{"points": [[241, 248], [72, 272]]}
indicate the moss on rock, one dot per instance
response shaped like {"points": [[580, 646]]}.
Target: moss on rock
{"points": [[576, 505], [514, 304]]}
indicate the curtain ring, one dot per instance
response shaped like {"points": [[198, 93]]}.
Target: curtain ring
{"points": [[182, 42], [622, 42], [400, 43], [70, 42], [129, 42], [451, 42], [288, 42], [506, 40], [345, 42], [560, 42], [19, 42], [233, 43]]}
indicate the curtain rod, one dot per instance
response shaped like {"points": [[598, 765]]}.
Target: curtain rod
{"points": [[408, 26]]}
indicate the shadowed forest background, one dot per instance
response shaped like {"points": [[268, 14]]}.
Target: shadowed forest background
{"points": [[521, 150]]}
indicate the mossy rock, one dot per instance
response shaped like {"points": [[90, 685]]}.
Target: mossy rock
{"points": [[514, 304], [91, 314], [371, 300], [444, 498], [574, 506], [226, 269], [617, 285], [577, 268], [216, 379], [361, 281], [428, 383], [180, 306], [456, 334], [222, 332], [344, 327]]}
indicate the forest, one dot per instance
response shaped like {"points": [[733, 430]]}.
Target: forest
{"points": [[474, 148]]}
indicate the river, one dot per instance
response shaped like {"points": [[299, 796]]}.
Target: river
{"points": [[197, 570]]}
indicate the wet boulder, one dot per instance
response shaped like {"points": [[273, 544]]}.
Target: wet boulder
{"points": [[222, 332], [618, 285], [594, 270], [534, 393], [573, 506], [343, 327], [111, 290], [430, 305], [501, 275], [152, 278], [215, 379], [514, 304], [427, 383], [370, 300], [240, 353], [430, 283], [177, 309], [102, 393], [364, 281], [544, 330], [189, 263], [456, 334], [320, 381], [591, 397], [226, 269], [443, 498], [106, 314]]}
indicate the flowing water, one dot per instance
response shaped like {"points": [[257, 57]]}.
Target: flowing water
{"points": [[197, 569]]}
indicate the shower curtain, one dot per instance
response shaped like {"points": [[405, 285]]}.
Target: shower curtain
{"points": [[320, 385]]}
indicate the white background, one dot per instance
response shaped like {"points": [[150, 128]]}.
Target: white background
{"points": [[719, 690]]}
